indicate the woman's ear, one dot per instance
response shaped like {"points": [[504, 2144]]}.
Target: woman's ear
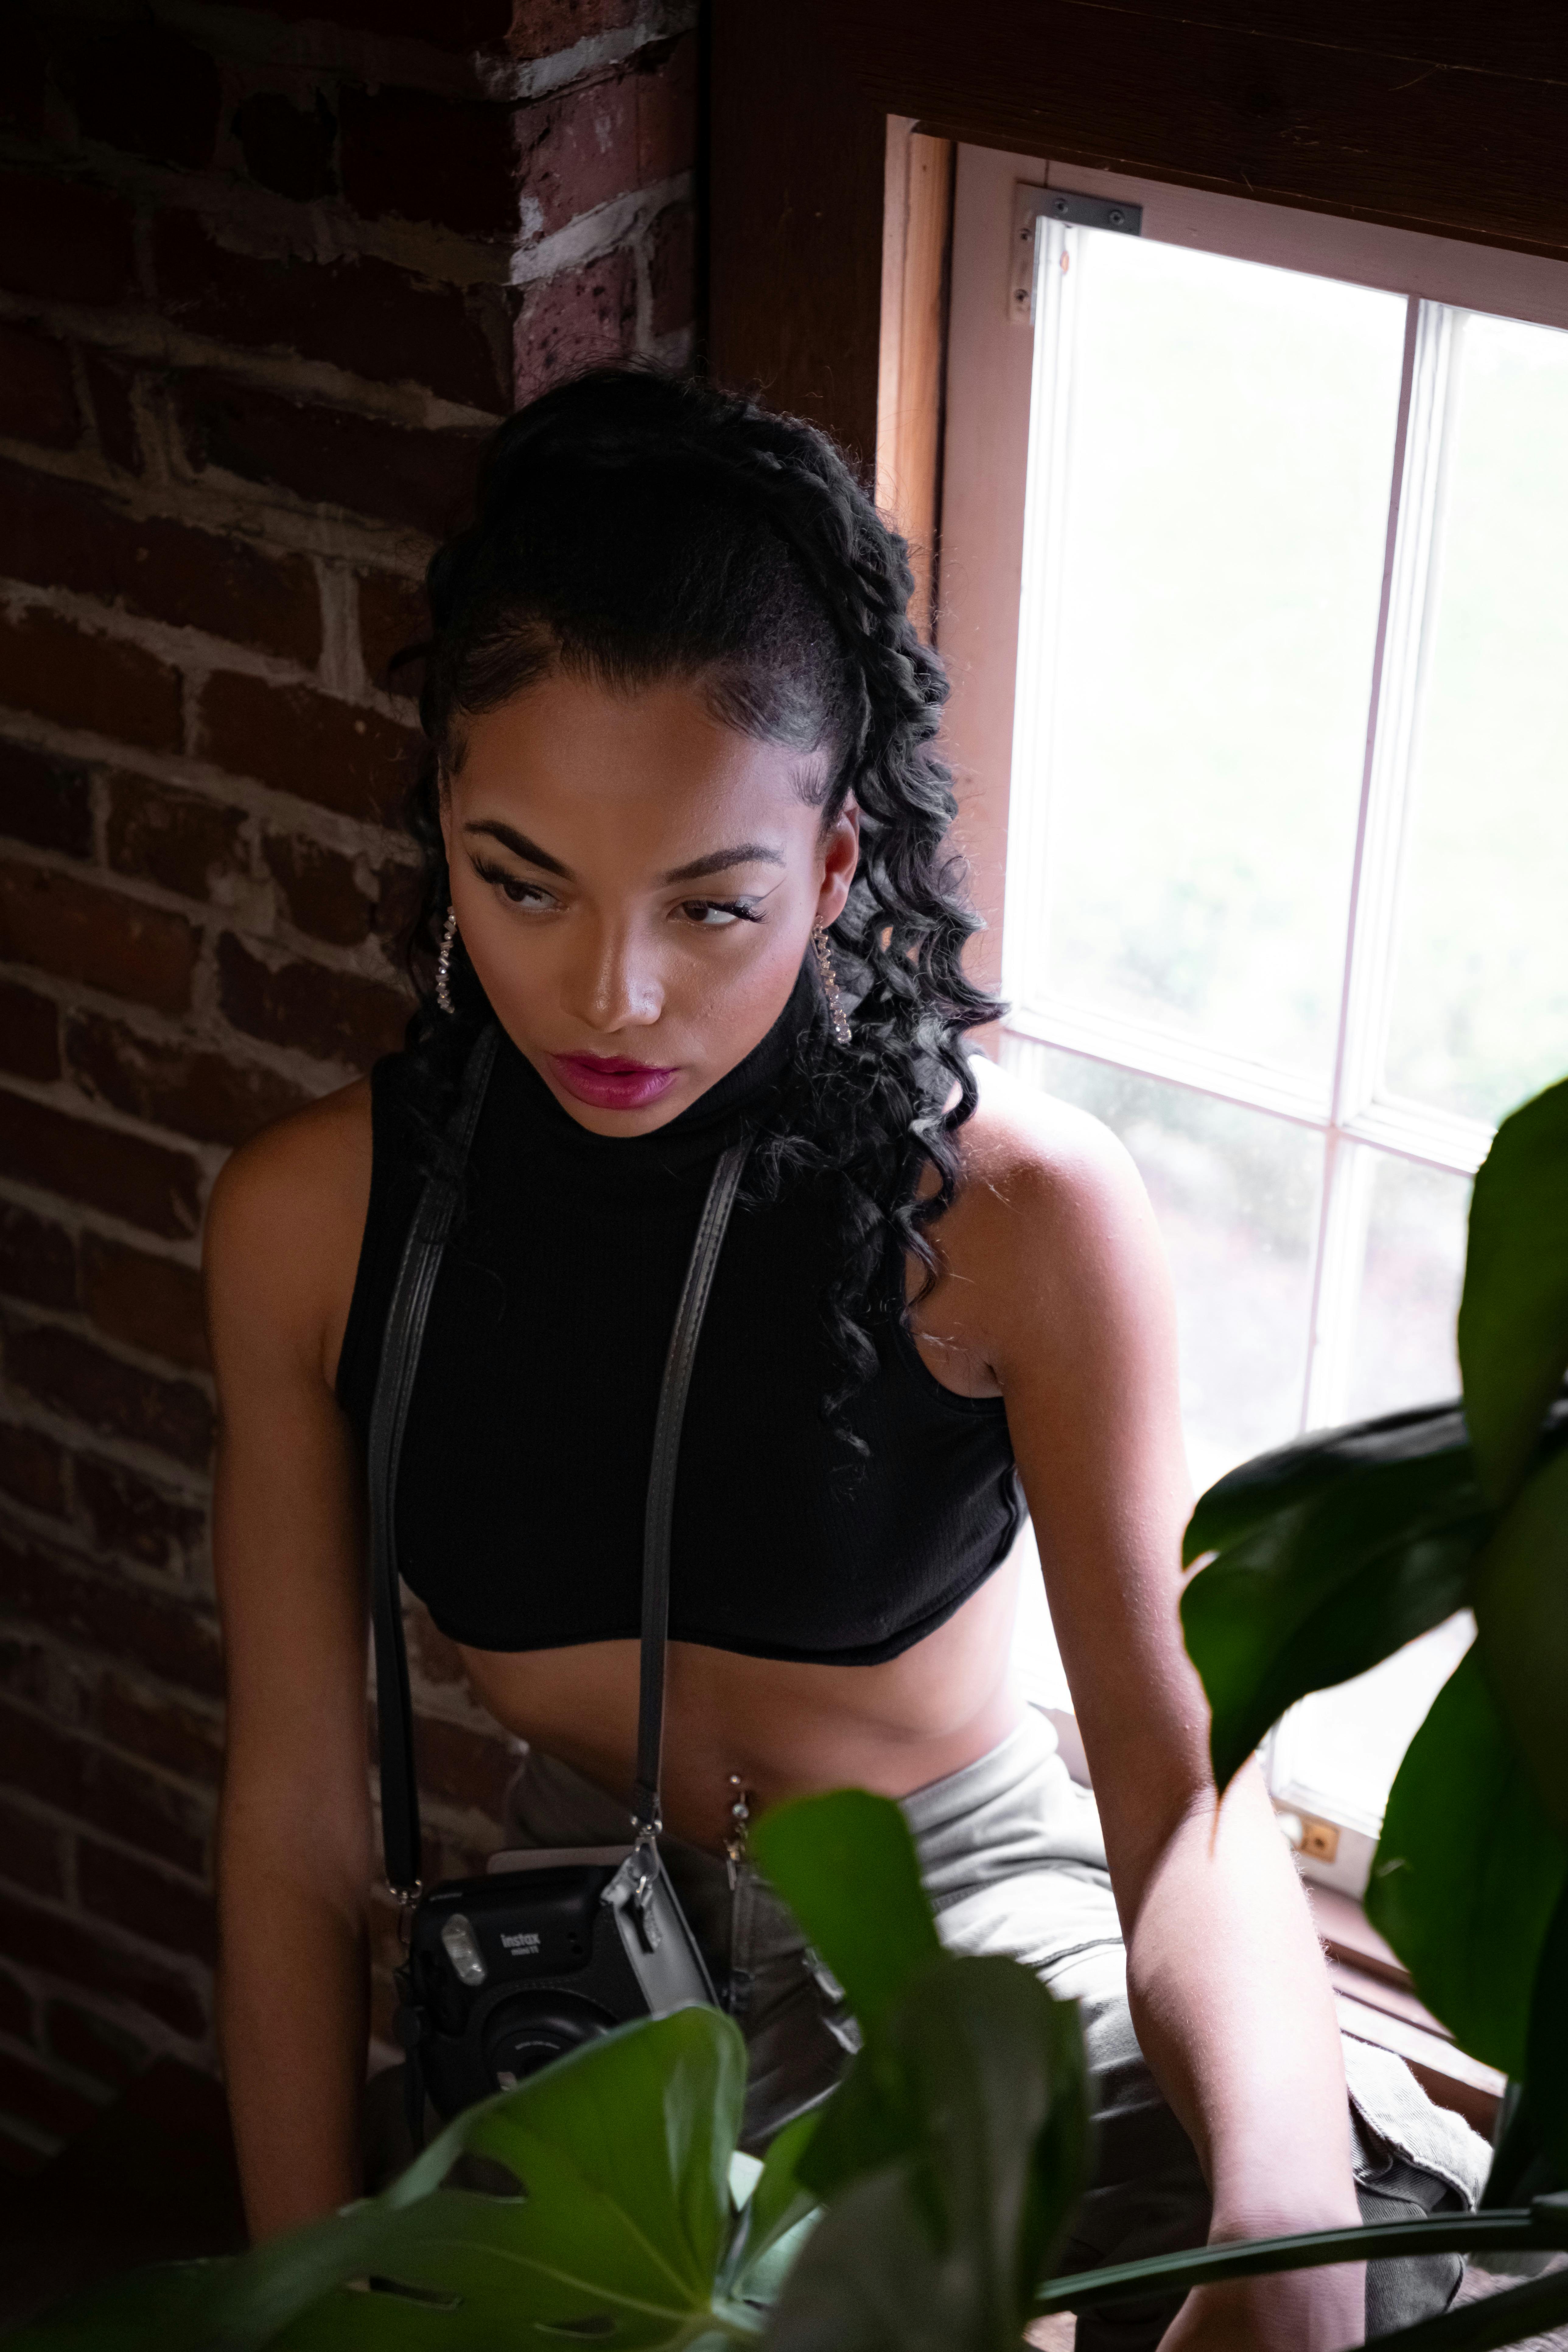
{"points": [[841, 857]]}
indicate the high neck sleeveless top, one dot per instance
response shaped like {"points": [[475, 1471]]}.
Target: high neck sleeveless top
{"points": [[525, 1459]]}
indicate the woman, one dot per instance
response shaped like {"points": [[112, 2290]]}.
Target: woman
{"points": [[686, 840]]}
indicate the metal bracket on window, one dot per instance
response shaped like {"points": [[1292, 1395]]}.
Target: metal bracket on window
{"points": [[1029, 204]]}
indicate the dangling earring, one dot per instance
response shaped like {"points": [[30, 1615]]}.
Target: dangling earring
{"points": [[840, 1019], [444, 963]]}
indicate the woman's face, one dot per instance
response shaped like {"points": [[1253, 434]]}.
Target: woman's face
{"points": [[635, 884]]}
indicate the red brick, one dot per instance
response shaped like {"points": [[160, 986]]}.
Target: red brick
{"points": [[32, 2095], [148, 1302], [30, 1850], [161, 1731], [32, 1469], [29, 1671], [335, 1015], [67, 535], [298, 740], [540, 28], [92, 2044], [74, 1776], [64, 239], [109, 1615], [181, 840], [569, 321], [109, 383], [79, 931], [673, 268], [45, 799], [37, 394], [147, 1903], [288, 148], [127, 1514], [327, 456], [144, 89], [37, 1259], [577, 151], [16, 2009], [29, 1034], [363, 314], [145, 1183], [93, 681], [393, 617], [72, 1376], [321, 890], [666, 85], [425, 158], [204, 1095], [78, 1952]]}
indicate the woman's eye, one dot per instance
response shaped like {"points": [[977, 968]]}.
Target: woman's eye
{"points": [[515, 891], [715, 914]]}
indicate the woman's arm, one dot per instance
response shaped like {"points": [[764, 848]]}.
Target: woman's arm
{"points": [[1230, 1995], [294, 1859]]}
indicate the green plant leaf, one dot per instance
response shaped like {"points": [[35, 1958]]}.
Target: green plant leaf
{"points": [[1331, 1554], [973, 2084], [1513, 1313], [1467, 1872], [871, 2280], [845, 1864], [778, 2207], [1546, 2050], [132, 2313], [1519, 1592], [610, 2214]]}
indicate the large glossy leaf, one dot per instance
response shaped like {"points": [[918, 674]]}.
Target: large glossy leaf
{"points": [[1513, 1315], [1467, 1872], [129, 2315], [973, 2084], [776, 2212], [1329, 1555], [1521, 1600], [845, 1864], [610, 2217], [1546, 2051]]}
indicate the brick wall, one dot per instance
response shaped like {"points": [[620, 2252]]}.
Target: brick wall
{"points": [[267, 275]]}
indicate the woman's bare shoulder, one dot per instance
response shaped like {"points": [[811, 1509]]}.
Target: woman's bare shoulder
{"points": [[284, 1227], [1024, 1147]]}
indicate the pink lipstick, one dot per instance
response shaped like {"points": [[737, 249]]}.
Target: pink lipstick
{"points": [[612, 1081]]}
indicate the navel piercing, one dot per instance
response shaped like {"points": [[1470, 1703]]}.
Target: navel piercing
{"points": [[735, 1843], [839, 1018], [444, 963]]}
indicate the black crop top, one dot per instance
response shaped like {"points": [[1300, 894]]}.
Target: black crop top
{"points": [[520, 1491]]}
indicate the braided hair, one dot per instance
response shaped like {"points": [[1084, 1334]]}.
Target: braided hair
{"points": [[634, 525]]}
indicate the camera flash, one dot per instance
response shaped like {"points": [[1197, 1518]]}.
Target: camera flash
{"points": [[463, 1951]]}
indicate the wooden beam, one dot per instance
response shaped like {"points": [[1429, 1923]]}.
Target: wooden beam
{"points": [[916, 253]]}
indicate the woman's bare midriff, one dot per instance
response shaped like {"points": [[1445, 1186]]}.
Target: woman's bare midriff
{"points": [[784, 1729]]}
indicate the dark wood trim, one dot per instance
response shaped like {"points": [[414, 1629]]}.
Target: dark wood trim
{"points": [[1435, 117], [917, 252]]}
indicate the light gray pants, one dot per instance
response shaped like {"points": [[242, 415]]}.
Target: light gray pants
{"points": [[1011, 1856]]}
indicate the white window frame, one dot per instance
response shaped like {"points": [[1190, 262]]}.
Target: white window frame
{"points": [[999, 532]]}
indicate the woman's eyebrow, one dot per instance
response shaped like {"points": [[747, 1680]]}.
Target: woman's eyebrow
{"points": [[749, 853], [520, 845]]}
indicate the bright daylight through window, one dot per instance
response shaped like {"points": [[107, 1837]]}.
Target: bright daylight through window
{"points": [[1288, 824]]}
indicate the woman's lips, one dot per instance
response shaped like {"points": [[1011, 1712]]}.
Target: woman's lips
{"points": [[611, 1081]]}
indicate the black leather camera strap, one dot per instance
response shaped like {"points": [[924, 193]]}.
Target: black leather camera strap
{"points": [[433, 1221]]}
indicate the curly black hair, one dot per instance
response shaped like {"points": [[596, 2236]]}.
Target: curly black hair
{"points": [[634, 525]]}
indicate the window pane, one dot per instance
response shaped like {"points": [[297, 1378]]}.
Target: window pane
{"points": [[1227, 459], [1480, 1006], [1337, 1753], [1236, 1194], [1403, 1350]]}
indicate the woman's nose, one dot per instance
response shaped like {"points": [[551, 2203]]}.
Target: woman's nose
{"points": [[613, 982]]}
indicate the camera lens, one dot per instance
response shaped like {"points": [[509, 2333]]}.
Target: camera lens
{"points": [[527, 2033]]}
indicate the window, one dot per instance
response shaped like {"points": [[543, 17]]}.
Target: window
{"points": [[1255, 583]]}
